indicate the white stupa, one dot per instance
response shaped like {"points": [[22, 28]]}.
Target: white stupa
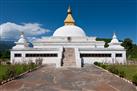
{"points": [[21, 43], [69, 29], [115, 42], [68, 47]]}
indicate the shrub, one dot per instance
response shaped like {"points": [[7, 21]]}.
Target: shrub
{"points": [[134, 79], [25, 67], [4, 77], [20, 68], [8, 63], [10, 71], [103, 66], [32, 65], [38, 61], [121, 73], [113, 69], [97, 63]]}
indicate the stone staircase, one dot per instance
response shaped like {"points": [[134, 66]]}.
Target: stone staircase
{"points": [[69, 57]]}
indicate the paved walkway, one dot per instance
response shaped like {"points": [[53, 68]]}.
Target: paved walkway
{"points": [[88, 78]]}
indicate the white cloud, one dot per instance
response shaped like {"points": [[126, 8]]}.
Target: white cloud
{"points": [[11, 30]]}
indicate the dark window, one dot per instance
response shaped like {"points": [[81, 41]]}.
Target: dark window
{"points": [[95, 55], [17, 55], [27, 55], [41, 55], [69, 39], [118, 55]]}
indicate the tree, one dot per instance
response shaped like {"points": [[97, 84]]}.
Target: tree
{"points": [[130, 48], [5, 54], [127, 43], [105, 40]]}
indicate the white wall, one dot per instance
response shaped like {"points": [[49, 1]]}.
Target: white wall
{"points": [[112, 59], [59, 50], [46, 60]]}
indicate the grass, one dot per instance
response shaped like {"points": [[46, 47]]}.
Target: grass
{"points": [[3, 69], [127, 71], [130, 70], [7, 71]]}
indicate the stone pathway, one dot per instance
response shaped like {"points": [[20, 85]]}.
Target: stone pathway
{"points": [[48, 78]]}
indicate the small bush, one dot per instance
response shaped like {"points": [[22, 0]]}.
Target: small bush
{"points": [[20, 68], [134, 79], [8, 63], [10, 71], [113, 69], [97, 63], [121, 73], [3, 77], [32, 65], [25, 67], [103, 66]]}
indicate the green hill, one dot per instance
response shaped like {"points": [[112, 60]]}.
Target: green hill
{"points": [[5, 46]]}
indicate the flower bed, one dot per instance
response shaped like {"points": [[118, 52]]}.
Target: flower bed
{"points": [[9, 71], [125, 71]]}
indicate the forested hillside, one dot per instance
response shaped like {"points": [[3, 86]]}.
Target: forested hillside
{"points": [[5, 46]]}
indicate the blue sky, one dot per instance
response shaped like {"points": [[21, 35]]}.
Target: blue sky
{"points": [[98, 18]]}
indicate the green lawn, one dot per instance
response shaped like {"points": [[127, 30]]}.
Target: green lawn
{"points": [[8, 71], [125, 71], [2, 71], [130, 70]]}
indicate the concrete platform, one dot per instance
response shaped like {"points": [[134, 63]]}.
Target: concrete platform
{"points": [[88, 78]]}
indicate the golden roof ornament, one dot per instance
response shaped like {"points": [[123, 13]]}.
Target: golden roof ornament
{"points": [[21, 33], [69, 19]]}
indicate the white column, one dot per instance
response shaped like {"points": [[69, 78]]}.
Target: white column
{"points": [[78, 59], [124, 57], [58, 63], [11, 57], [23, 56], [113, 57]]}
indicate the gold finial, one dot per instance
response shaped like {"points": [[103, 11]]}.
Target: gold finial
{"points": [[69, 10], [21, 33], [69, 19]]}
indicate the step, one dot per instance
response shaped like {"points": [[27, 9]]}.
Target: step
{"points": [[69, 57], [69, 64]]}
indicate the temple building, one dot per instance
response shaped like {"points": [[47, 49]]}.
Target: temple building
{"points": [[68, 47]]}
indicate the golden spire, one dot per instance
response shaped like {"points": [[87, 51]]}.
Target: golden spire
{"points": [[69, 19], [21, 33]]}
